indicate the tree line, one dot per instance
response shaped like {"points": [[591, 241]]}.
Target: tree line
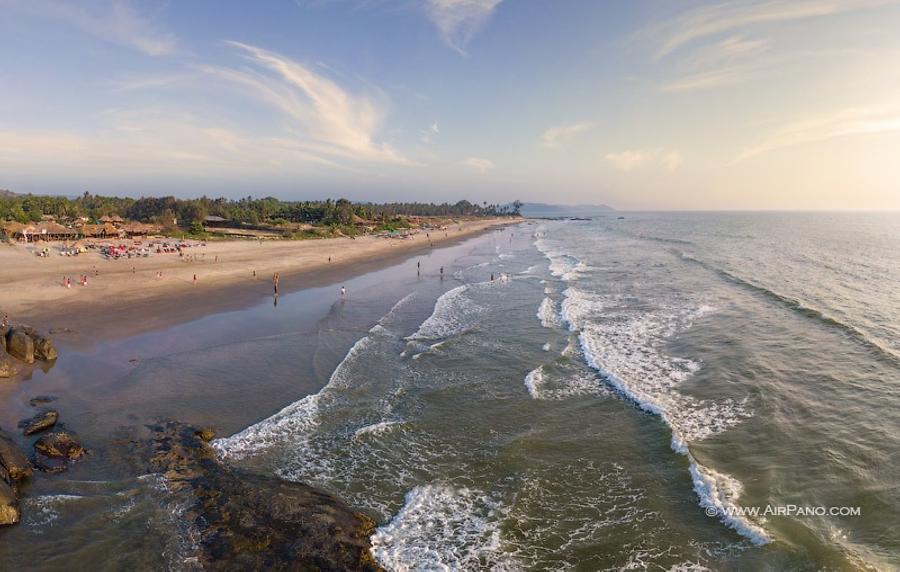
{"points": [[248, 210]]}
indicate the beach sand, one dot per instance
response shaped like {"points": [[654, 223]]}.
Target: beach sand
{"points": [[127, 296]]}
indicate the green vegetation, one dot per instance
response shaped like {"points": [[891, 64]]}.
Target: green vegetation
{"points": [[169, 212]]}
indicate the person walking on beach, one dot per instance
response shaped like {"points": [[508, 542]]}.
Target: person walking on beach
{"points": [[442, 272], [275, 283], [195, 278], [343, 292], [254, 274]]}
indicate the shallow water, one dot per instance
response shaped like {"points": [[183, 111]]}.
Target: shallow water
{"points": [[612, 399]]}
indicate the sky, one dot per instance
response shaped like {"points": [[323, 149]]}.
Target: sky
{"points": [[653, 104]]}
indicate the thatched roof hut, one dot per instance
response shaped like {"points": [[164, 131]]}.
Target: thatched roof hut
{"points": [[139, 229]]}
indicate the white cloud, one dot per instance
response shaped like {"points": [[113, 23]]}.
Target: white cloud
{"points": [[632, 160], [555, 137], [117, 22], [332, 120], [842, 123], [459, 20], [479, 164]]}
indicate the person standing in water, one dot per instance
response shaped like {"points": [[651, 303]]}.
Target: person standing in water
{"points": [[343, 292]]}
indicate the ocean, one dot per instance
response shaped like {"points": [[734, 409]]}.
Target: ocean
{"points": [[664, 391]]}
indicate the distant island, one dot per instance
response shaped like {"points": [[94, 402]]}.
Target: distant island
{"points": [[543, 210]]}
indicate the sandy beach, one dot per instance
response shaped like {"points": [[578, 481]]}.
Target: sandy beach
{"points": [[128, 296]]}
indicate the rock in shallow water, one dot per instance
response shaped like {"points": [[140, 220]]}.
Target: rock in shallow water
{"points": [[246, 521], [44, 348], [13, 460], [60, 445], [7, 364], [40, 422], [9, 504]]}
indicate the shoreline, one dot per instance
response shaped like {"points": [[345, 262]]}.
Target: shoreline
{"points": [[119, 302]]}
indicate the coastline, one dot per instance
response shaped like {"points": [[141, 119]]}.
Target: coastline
{"points": [[126, 297]]}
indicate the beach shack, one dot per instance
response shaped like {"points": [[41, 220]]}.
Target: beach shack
{"points": [[133, 229]]}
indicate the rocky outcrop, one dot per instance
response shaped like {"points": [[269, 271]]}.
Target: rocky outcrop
{"points": [[53, 451], [14, 466], [40, 422], [20, 345], [13, 460], [4, 331], [245, 521], [9, 504], [7, 364], [44, 348]]}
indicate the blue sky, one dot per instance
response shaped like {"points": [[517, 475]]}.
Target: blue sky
{"points": [[755, 104]]}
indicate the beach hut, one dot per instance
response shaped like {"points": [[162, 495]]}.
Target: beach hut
{"points": [[138, 229], [53, 231], [215, 221]]}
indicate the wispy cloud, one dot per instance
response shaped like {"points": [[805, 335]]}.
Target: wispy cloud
{"points": [[332, 121], [707, 80], [479, 164], [632, 160], [626, 160], [117, 22], [726, 44], [843, 123], [459, 20], [712, 20], [555, 137]]}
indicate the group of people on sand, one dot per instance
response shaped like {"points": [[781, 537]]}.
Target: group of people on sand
{"points": [[67, 281]]}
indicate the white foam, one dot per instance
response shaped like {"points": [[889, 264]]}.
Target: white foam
{"points": [[441, 527], [533, 382], [720, 492], [621, 340], [44, 509], [546, 347], [547, 313], [452, 315], [295, 422], [379, 428]]}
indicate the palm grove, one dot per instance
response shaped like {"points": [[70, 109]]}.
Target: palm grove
{"points": [[167, 211]]}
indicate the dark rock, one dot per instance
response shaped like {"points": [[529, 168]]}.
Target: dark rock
{"points": [[13, 460], [44, 348], [7, 364], [40, 422], [245, 521], [20, 345], [41, 400], [206, 434], [4, 331], [60, 445], [9, 504], [48, 464]]}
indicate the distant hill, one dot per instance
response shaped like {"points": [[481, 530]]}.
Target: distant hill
{"points": [[542, 210], [6, 193]]}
